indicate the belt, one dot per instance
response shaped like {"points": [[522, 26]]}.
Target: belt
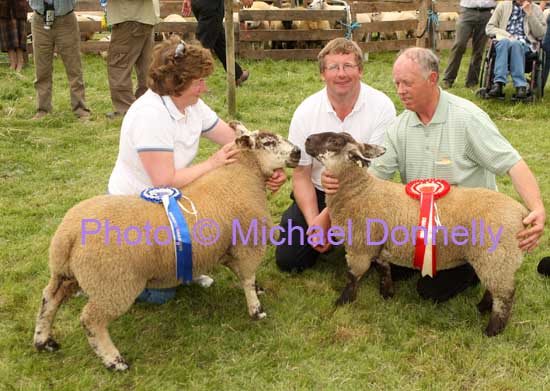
{"points": [[480, 9], [57, 16]]}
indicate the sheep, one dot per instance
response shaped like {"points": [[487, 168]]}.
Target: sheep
{"points": [[113, 275], [88, 17], [392, 17], [176, 18], [447, 17], [364, 196]]}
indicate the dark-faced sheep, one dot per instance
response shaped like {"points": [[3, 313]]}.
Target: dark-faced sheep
{"points": [[113, 273], [362, 196]]}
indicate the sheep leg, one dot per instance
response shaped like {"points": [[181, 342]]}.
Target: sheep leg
{"points": [[502, 307], [486, 303], [58, 290], [245, 270], [357, 268], [387, 289], [95, 318], [349, 293]]}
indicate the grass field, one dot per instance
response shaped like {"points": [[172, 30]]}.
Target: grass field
{"points": [[204, 339]]}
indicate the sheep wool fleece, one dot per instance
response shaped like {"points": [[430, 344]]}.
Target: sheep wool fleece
{"points": [[459, 132], [368, 120], [154, 123]]}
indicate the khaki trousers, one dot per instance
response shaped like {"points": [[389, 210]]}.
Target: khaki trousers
{"points": [[131, 45], [64, 36]]}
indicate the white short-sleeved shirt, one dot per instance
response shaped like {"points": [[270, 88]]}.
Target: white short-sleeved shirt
{"points": [[154, 123], [372, 113]]}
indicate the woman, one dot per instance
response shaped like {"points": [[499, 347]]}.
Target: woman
{"points": [[13, 31], [160, 132]]}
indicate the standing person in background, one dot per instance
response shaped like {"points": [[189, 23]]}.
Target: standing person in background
{"points": [[13, 31], [474, 15], [131, 46], [211, 32], [60, 32], [546, 43]]}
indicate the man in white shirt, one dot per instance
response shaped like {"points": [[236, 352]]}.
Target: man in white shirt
{"points": [[344, 105]]}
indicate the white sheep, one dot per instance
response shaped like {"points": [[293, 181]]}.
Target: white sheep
{"points": [[395, 17], [113, 275], [363, 196]]}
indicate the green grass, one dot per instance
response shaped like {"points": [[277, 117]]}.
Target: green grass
{"points": [[204, 339]]}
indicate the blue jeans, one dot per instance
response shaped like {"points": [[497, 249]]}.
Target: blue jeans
{"points": [[510, 54]]}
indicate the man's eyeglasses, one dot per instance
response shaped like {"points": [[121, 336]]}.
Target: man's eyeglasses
{"points": [[347, 67], [180, 50]]}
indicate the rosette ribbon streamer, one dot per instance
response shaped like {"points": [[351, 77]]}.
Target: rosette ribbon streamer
{"points": [[427, 190], [169, 196]]}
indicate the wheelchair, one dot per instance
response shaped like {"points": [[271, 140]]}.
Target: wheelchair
{"points": [[534, 65]]}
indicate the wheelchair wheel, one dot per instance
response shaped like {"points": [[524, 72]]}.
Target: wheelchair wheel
{"points": [[539, 86]]}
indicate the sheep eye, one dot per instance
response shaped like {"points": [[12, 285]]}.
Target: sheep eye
{"points": [[269, 143]]}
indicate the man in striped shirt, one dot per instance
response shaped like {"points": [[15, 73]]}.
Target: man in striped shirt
{"points": [[437, 125]]}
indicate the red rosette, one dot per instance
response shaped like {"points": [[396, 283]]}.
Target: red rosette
{"points": [[427, 191], [439, 187]]}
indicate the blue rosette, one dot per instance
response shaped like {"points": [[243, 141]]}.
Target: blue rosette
{"points": [[155, 194]]}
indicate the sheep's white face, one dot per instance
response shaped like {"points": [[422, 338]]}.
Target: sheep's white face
{"points": [[339, 149], [316, 5], [273, 151]]}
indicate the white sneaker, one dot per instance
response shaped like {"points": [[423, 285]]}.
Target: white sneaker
{"points": [[204, 281]]}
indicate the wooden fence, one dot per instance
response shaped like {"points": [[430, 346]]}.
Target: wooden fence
{"points": [[258, 44]]}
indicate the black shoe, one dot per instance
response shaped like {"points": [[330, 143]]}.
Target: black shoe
{"points": [[244, 77], [544, 266], [447, 283], [496, 91], [521, 93], [399, 273], [472, 85]]}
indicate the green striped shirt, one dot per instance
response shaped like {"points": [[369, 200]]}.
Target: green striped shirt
{"points": [[460, 144]]}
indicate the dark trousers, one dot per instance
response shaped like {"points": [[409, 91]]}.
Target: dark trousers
{"points": [[471, 24], [210, 29], [299, 255], [546, 47]]}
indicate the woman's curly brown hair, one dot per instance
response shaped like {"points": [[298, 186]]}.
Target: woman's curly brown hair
{"points": [[171, 75]]}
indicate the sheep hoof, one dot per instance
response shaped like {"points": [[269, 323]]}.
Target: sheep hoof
{"points": [[49, 345], [494, 327], [387, 292], [259, 315], [118, 364]]}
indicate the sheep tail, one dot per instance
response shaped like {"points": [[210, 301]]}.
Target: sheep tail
{"points": [[60, 253]]}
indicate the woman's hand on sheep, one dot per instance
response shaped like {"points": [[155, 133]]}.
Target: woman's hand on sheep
{"points": [[276, 180], [330, 183], [529, 238], [226, 155]]}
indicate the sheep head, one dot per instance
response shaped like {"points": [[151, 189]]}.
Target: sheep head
{"points": [[336, 150], [272, 151]]}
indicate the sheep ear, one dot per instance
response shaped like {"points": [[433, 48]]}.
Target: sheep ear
{"points": [[372, 151], [239, 128], [355, 156], [245, 141]]}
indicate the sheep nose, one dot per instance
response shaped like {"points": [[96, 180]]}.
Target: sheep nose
{"points": [[295, 154]]}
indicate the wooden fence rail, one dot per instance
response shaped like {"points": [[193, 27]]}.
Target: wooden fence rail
{"points": [[259, 44]]}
